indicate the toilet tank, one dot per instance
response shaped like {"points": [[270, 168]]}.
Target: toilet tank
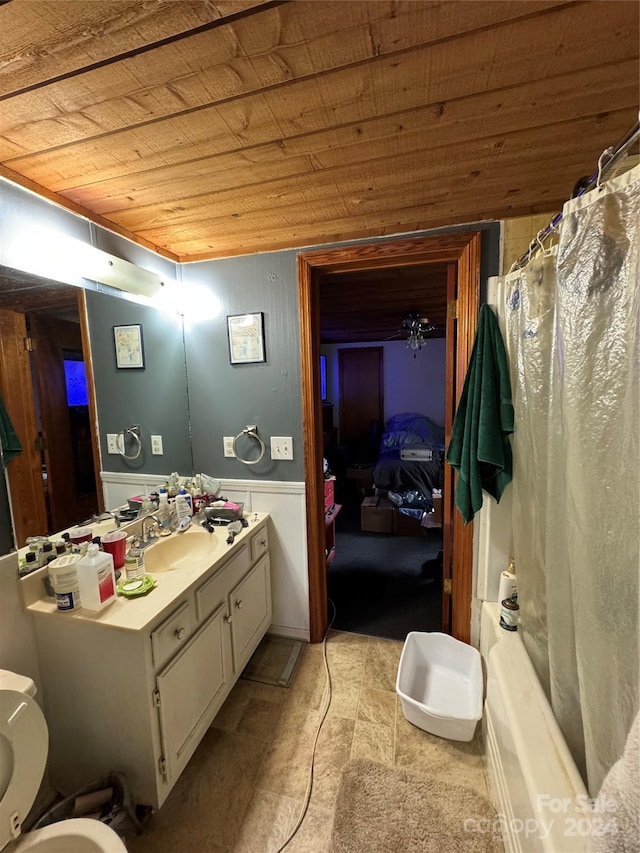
{"points": [[13, 681]]}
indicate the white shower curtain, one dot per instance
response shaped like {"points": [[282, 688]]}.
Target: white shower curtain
{"points": [[573, 338]]}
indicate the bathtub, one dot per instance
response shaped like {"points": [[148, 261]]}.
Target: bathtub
{"points": [[539, 795]]}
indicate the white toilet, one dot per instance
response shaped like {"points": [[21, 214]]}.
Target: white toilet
{"points": [[24, 744]]}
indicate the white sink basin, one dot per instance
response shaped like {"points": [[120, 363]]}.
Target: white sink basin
{"points": [[180, 550]]}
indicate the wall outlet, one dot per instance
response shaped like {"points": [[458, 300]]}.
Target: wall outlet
{"points": [[156, 445], [227, 442], [281, 447], [112, 442]]}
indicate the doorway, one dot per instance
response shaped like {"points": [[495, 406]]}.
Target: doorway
{"points": [[461, 253]]}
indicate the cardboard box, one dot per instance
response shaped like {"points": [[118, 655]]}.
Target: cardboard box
{"points": [[405, 525], [363, 478], [376, 515]]}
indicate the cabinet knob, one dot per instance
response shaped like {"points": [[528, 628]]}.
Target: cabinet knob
{"points": [[179, 633], [239, 604], [263, 542], [227, 618]]}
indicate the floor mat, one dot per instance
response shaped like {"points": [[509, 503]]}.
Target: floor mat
{"points": [[388, 809], [275, 661]]}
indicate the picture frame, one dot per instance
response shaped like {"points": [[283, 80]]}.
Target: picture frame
{"points": [[246, 338], [129, 348]]}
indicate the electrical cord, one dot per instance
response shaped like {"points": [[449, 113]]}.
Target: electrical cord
{"points": [[326, 701]]}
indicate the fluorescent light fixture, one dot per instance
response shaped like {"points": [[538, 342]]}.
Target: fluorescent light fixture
{"points": [[43, 252]]}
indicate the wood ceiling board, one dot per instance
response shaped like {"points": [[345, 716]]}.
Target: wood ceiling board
{"points": [[271, 48], [570, 97], [391, 84], [509, 163], [41, 40]]}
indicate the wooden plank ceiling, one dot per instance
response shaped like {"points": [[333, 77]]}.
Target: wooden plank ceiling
{"points": [[209, 129]]}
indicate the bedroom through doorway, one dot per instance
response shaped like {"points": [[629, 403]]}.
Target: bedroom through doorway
{"points": [[383, 385]]}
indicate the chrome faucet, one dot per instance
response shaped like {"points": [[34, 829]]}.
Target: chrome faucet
{"points": [[114, 516], [146, 538]]}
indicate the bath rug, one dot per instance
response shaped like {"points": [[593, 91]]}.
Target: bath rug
{"points": [[275, 661], [383, 809]]}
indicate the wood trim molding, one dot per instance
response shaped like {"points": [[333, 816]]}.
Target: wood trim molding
{"points": [[461, 248], [91, 388]]}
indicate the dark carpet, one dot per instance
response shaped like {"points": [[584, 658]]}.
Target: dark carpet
{"points": [[383, 585]]}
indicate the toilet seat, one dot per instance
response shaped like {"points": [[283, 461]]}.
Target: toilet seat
{"points": [[24, 741]]}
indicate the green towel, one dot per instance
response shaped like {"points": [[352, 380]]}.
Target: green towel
{"points": [[11, 446], [479, 448]]}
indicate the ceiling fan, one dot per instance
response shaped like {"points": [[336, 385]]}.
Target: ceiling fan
{"points": [[415, 328]]}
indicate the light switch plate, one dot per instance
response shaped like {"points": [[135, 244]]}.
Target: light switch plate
{"points": [[112, 442], [227, 441], [156, 445], [281, 447]]}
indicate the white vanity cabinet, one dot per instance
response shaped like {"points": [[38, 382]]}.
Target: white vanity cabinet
{"points": [[139, 701]]}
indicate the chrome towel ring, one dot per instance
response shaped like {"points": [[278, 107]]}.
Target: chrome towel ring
{"points": [[250, 432], [134, 432]]}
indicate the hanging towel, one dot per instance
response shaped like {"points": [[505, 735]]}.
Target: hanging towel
{"points": [[11, 446], [479, 448]]}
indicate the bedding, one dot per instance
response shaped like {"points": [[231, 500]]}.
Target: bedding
{"points": [[409, 430]]}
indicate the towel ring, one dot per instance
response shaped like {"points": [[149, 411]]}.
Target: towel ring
{"points": [[132, 431], [251, 432]]}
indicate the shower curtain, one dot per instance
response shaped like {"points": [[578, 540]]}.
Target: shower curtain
{"points": [[572, 319]]}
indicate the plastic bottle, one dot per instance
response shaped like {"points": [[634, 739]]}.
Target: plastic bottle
{"points": [[164, 510], [508, 583], [96, 578], [183, 493], [134, 564], [63, 574], [183, 508]]}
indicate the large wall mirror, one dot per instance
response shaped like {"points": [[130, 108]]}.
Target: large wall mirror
{"points": [[60, 382]]}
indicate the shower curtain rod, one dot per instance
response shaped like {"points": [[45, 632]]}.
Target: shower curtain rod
{"points": [[585, 185]]}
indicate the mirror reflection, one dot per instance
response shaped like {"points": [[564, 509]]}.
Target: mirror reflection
{"points": [[48, 385]]}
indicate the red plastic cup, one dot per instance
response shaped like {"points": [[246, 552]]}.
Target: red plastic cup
{"points": [[115, 543], [80, 534]]}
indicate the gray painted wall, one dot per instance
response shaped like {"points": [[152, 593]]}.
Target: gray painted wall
{"points": [[155, 398]]}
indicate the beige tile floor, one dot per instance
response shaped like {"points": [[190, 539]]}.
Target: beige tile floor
{"points": [[244, 788]]}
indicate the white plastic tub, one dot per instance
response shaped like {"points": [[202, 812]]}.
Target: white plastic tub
{"points": [[440, 685]]}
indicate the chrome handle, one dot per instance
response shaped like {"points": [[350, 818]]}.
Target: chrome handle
{"points": [[179, 633], [239, 604]]}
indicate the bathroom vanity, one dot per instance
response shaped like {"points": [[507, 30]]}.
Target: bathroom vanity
{"points": [[134, 688]]}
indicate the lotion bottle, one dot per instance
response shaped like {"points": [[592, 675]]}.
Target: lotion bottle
{"points": [[508, 588], [96, 578]]}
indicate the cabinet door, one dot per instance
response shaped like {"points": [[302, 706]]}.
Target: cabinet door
{"points": [[192, 688], [250, 607]]}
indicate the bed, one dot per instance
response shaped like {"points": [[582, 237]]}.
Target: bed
{"points": [[410, 432]]}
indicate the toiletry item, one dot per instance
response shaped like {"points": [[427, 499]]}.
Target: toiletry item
{"points": [[508, 584], [134, 564], [60, 548], [96, 578], [183, 510], [183, 494], [63, 574], [509, 611], [163, 512]]}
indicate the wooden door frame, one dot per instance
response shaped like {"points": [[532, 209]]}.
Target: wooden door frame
{"points": [[459, 248]]}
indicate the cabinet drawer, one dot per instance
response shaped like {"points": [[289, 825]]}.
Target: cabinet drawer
{"points": [[172, 633], [259, 544], [214, 590]]}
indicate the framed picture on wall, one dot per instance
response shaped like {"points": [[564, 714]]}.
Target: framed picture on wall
{"points": [[246, 338], [128, 342]]}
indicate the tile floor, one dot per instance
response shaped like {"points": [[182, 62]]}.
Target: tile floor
{"points": [[244, 788]]}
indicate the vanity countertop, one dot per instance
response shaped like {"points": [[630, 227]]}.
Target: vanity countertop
{"points": [[134, 614]]}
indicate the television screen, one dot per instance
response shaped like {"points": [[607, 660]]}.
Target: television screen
{"points": [[323, 377], [76, 381]]}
